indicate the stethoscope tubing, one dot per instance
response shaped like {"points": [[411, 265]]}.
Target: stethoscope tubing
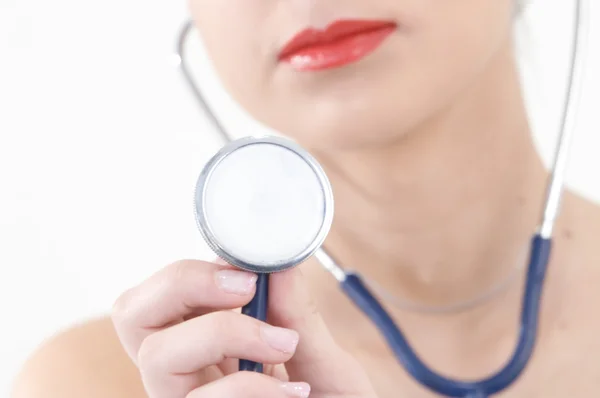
{"points": [[257, 308], [356, 290]]}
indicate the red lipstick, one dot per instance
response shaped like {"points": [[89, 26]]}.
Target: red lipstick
{"points": [[341, 43]]}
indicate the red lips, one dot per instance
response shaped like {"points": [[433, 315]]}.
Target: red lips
{"points": [[341, 43]]}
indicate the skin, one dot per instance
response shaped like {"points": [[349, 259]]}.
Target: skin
{"points": [[438, 189]]}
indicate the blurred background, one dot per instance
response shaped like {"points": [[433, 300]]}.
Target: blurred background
{"points": [[101, 143]]}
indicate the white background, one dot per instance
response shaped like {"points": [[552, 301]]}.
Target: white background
{"points": [[101, 143]]}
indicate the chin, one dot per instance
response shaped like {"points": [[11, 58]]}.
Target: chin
{"points": [[345, 134], [366, 115]]}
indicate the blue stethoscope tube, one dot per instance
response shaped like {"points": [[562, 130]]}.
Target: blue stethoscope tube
{"points": [[257, 308], [541, 244], [356, 290]]}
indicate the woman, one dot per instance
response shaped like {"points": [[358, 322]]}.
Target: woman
{"points": [[420, 125]]}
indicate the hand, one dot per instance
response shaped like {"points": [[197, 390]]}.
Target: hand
{"points": [[182, 330]]}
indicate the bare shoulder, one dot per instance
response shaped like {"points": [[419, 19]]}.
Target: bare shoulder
{"points": [[573, 298], [581, 234], [84, 361], [577, 268]]}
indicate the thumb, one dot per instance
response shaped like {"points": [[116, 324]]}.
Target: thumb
{"points": [[318, 360]]}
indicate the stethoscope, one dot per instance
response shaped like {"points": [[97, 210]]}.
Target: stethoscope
{"points": [[264, 204]]}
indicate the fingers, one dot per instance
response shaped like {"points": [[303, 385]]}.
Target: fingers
{"points": [[170, 359], [176, 291], [251, 385], [318, 360]]}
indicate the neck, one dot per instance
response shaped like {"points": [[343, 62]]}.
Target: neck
{"points": [[447, 212]]}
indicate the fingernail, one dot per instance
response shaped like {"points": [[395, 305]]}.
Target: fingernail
{"points": [[235, 282], [296, 389], [284, 340]]}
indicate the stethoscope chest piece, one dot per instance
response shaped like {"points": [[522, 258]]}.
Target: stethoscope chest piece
{"points": [[263, 204]]}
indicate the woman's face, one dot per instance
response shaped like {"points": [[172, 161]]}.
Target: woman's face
{"points": [[370, 89]]}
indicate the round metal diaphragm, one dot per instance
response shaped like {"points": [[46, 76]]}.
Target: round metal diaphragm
{"points": [[263, 204]]}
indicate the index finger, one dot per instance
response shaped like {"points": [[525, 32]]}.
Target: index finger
{"points": [[184, 288]]}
